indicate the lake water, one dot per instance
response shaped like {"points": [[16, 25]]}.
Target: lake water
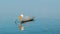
{"points": [[40, 26]]}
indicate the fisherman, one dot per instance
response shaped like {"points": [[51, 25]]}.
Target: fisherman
{"points": [[21, 27]]}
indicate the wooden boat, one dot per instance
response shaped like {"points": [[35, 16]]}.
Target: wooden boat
{"points": [[29, 20]]}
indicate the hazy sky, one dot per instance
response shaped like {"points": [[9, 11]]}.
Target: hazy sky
{"points": [[40, 8]]}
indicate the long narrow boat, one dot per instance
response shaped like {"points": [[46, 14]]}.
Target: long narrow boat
{"points": [[29, 20]]}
